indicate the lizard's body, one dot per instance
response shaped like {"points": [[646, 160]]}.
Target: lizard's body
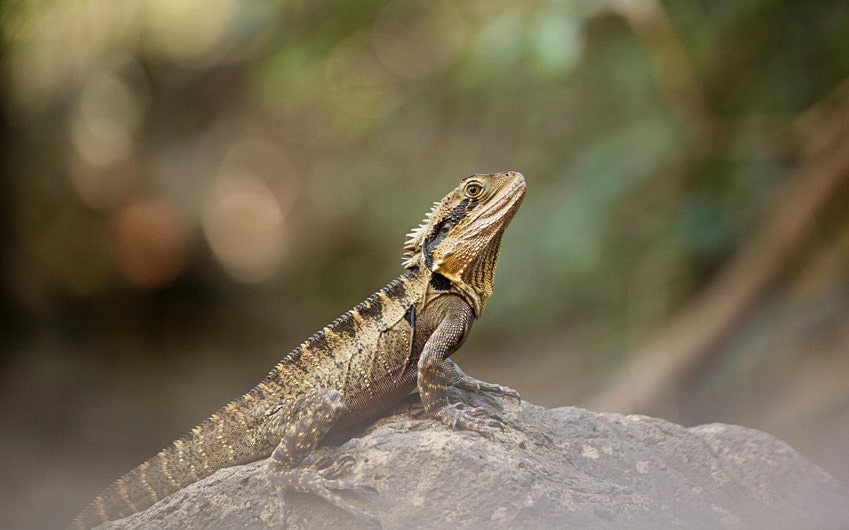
{"points": [[353, 369]]}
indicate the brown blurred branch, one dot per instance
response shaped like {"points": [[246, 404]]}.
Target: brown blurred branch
{"points": [[823, 124], [649, 380], [650, 23]]}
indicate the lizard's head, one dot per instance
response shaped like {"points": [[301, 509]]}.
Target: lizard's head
{"points": [[460, 237]]}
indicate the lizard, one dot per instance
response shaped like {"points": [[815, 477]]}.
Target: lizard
{"points": [[362, 364]]}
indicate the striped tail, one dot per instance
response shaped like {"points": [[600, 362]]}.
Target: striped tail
{"points": [[184, 462], [142, 487]]}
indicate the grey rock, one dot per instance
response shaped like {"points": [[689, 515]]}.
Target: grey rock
{"points": [[549, 468]]}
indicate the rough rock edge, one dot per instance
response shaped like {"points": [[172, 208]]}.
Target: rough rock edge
{"points": [[564, 467]]}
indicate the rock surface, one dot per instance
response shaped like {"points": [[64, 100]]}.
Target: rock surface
{"points": [[550, 468]]}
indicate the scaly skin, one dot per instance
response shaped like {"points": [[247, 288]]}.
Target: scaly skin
{"points": [[357, 367]]}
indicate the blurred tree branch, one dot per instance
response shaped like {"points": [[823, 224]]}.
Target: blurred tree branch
{"points": [[649, 380], [826, 122], [650, 23]]}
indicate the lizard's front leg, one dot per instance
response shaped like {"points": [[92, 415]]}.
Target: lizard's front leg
{"points": [[308, 422], [436, 371]]}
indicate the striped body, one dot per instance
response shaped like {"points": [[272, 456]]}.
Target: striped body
{"points": [[361, 354]]}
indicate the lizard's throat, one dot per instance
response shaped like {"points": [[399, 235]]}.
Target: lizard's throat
{"points": [[477, 278]]}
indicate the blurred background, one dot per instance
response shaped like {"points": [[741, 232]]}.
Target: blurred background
{"points": [[191, 188]]}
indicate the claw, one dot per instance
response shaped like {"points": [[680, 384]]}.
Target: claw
{"points": [[320, 480], [504, 391], [476, 385], [475, 419], [478, 412]]}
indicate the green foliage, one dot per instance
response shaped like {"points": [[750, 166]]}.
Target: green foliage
{"points": [[342, 121]]}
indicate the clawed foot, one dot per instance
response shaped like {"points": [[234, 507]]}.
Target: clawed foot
{"points": [[320, 479], [475, 419], [499, 390], [476, 385], [330, 467]]}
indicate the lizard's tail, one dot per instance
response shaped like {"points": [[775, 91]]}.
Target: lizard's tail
{"points": [[142, 487], [187, 460]]}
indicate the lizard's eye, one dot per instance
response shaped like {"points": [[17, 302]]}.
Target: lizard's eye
{"points": [[473, 189]]}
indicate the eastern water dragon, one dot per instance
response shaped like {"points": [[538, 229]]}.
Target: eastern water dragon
{"points": [[396, 341]]}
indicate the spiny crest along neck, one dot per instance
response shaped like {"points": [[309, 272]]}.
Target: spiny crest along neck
{"points": [[460, 237]]}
